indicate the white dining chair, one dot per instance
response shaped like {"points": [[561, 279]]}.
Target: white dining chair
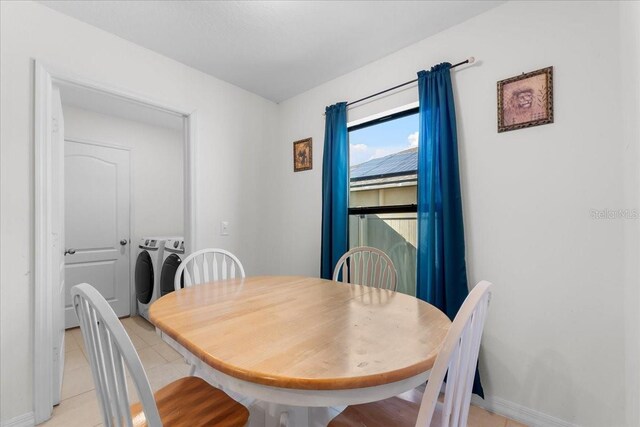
{"points": [[457, 359], [207, 265], [185, 402], [366, 266], [203, 266]]}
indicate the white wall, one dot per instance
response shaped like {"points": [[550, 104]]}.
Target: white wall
{"points": [[227, 161], [556, 341], [630, 108], [156, 163]]}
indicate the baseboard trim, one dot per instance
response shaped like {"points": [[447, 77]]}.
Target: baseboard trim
{"points": [[24, 420], [519, 413]]}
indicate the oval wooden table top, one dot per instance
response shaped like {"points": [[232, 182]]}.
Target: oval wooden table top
{"points": [[302, 332]]}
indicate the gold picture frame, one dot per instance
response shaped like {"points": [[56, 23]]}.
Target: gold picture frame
{"points": [[525, 100], [302, 155]]}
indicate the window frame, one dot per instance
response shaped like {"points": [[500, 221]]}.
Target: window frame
{"points": [[374, 210]]}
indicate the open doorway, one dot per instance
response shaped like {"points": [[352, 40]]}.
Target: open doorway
{"points": [[123, 185], [113, 170]]}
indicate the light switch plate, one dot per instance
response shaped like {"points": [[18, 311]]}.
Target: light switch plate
{"points": [[224, 228]]}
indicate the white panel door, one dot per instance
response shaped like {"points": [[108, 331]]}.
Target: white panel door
{"points": [[57, 234], [97, 198]]}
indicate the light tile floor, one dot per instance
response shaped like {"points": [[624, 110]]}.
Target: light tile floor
{"points": [[79, 406]]}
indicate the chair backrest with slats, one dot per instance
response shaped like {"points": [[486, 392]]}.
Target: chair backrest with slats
{"points": [[110, 351], [457, 359], [366, 266], [208, 265]]}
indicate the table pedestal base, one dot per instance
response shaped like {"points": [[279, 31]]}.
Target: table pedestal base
{"points": [[303, 408], [265, 414]]}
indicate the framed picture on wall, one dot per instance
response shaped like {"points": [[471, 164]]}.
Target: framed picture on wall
{"points": [[525, 100], [302, 155]]}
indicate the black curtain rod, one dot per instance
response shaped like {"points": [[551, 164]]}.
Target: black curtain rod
{"points": [[470, 60]]}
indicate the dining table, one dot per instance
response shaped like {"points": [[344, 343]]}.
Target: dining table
{"points": [[300, 347]]}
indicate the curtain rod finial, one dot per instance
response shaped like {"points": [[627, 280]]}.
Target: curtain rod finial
{"points": [[471, 60]]}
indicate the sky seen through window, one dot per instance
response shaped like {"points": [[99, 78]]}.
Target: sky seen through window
{"points": [[383, 139]]}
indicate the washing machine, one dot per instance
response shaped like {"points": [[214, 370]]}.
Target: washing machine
{"points": [[171, 259], [147, 272]]}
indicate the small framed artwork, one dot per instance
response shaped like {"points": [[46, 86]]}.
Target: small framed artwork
{"points": [[525, 100], [302, 155]]}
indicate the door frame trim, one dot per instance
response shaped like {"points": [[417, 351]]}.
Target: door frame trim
{"points": [[45, 76]]}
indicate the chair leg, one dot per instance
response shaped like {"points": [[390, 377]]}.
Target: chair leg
{"points": [[284, 419]]}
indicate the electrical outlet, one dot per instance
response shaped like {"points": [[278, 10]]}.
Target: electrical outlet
{"points": [[224, 228]]}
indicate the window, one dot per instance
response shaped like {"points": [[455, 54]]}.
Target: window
{"points": [[383, 159]]}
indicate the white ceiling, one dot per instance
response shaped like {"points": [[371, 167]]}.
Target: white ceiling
{"points": [[276, 49]]}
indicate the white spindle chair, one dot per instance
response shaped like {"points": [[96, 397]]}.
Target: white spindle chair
{"points": [[203, 266], [457, 359], [366, 266], [110, 351], [208, 265]]}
